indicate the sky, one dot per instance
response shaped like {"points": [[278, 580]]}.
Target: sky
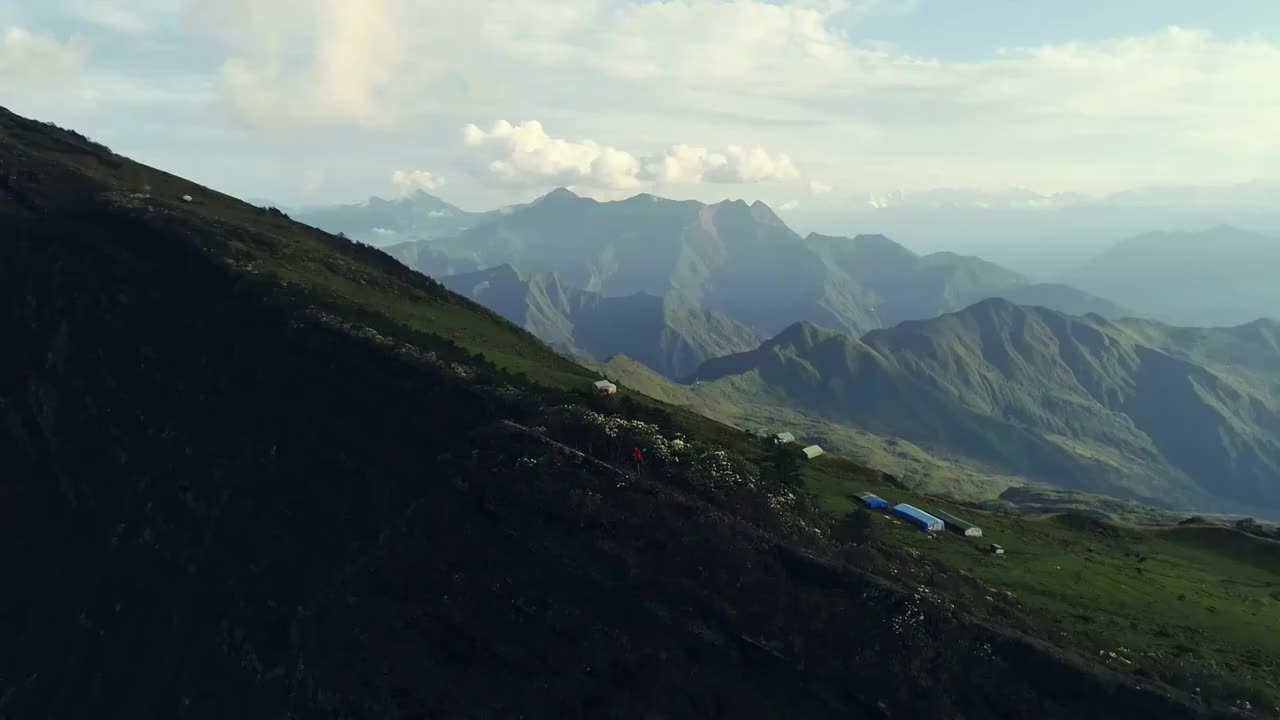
{"points": [[812, 103]]}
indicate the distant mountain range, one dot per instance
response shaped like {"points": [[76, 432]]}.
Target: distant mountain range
{"points": [[731, 258], [1169, 416], [382, 222], [1256, 195], [665, 335], [1014, 198], [1043, 235], [429, 260], [1220, 276]]}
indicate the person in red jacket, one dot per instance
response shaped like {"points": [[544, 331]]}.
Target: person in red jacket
{"points": [[639, 460]]}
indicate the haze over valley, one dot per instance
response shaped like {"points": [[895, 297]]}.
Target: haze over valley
{"points": [[1018, 379]]}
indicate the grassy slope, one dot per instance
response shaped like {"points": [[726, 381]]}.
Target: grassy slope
{"points": [[1083, 582], [309, 259]]}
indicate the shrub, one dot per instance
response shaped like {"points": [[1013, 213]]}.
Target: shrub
{"points": [[855, 528]]}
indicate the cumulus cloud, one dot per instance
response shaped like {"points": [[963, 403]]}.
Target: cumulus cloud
{"points": [[817, 187], [789, 206], [31, 56], [410, 181], [526, 155]]}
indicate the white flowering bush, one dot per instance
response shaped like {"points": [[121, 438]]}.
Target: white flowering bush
{"points": [[717, 470], [612, 438]]}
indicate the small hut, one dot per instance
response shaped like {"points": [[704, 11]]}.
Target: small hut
{"points": [[874, 502], [957, 525], [917, 517]]}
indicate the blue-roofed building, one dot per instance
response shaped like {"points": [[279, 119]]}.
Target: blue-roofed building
{"points": [[918, 517], [875, 502]]}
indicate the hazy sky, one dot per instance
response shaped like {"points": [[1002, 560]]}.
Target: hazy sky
{"points": [[815, 102]]}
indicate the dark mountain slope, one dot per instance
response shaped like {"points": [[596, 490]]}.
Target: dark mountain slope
{"points": [[247, 473], [1219, 276], [664, 334], [1134, 409]]}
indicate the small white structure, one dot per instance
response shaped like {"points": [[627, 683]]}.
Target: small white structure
{"points": [[813, 451], [784, 437], [186, 198], [604, 387]]}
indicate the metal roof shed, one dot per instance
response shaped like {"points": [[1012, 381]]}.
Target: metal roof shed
{"points": [[957, 525], [917, 517], [784, 437], [875, 502], [813, 451]]}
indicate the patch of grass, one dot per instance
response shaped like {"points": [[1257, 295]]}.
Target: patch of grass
{"points": [[1187, 604]]}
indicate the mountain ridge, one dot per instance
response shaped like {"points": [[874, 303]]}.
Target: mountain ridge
{"points": [[1086, 403], [724, 257]]}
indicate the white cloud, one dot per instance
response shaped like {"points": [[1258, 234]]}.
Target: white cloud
{"points": [[31, 56], [409, 181], [350, 72], [728, 77], [750, 165], [789, 206], [525, 155], [728, 47]]}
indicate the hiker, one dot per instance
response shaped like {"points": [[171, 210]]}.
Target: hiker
{"points": [[639, 460]]}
